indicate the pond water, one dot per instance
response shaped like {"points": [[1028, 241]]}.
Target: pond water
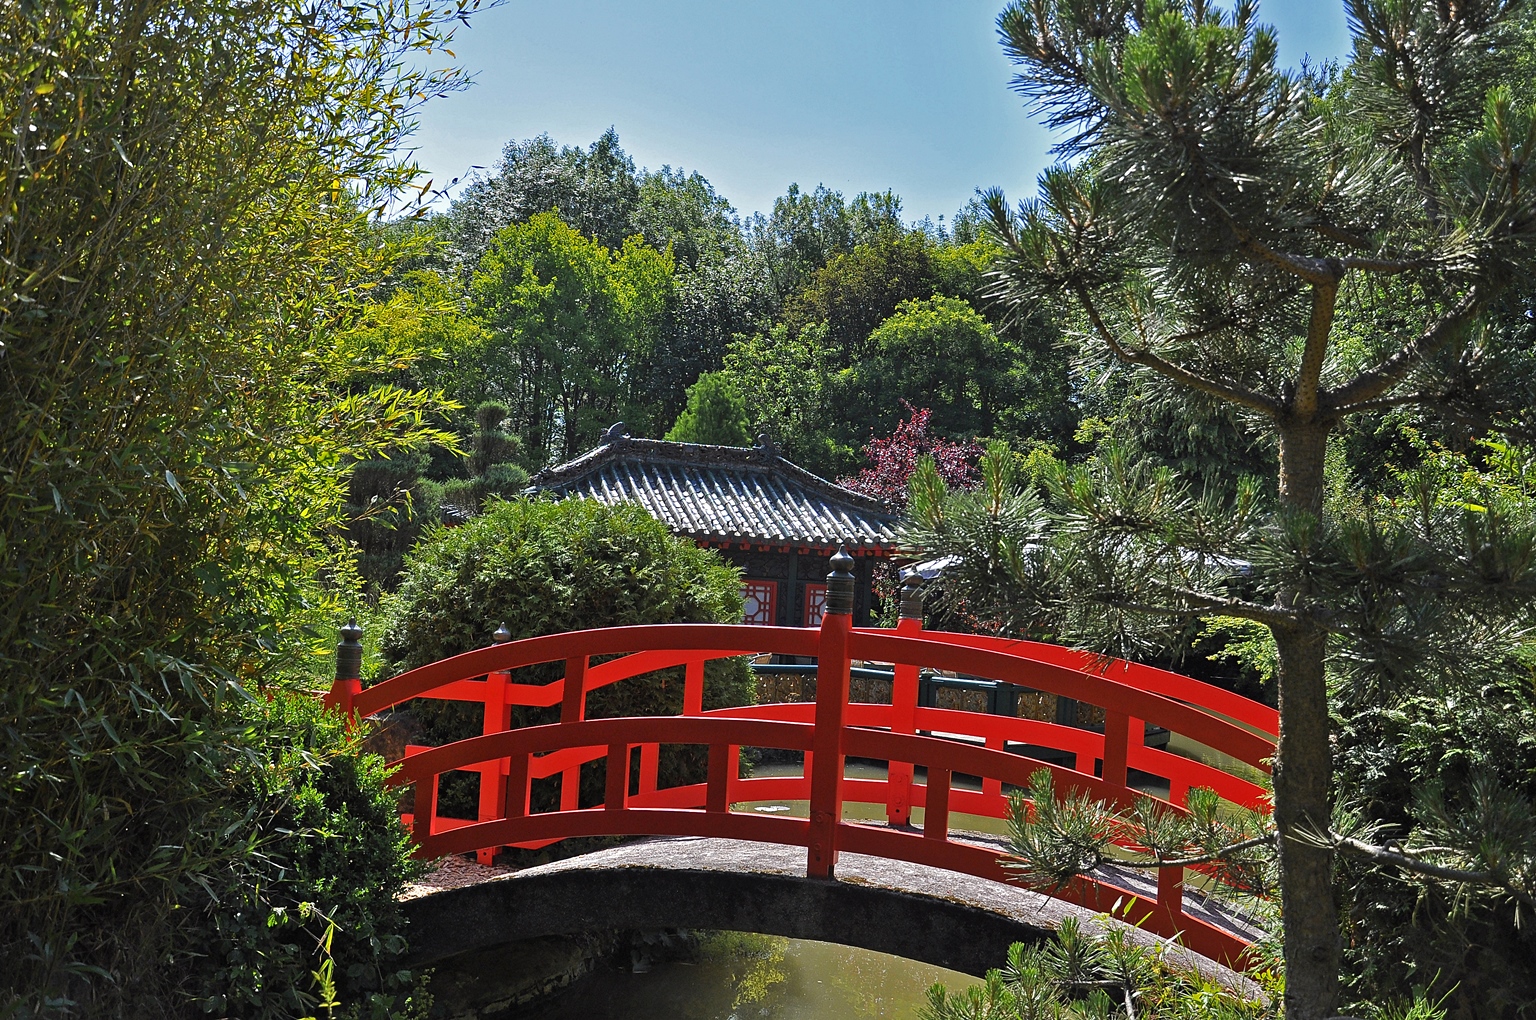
{"points": [[758, 977]]}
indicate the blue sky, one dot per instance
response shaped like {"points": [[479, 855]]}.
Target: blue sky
{"points": [[856, 94]]}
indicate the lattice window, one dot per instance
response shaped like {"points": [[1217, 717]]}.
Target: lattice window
{"points": [[815, 604], [761, 599]]}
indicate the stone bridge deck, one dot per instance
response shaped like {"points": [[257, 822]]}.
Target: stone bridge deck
{"points": [[910, 910]]}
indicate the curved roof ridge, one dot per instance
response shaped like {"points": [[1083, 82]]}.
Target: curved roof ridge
{"points": [[709, 491], [700, 455]]}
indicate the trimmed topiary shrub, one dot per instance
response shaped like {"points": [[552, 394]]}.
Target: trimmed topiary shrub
{"points": [[542, 567], [505, 480], [490, 445], [388, 503]]}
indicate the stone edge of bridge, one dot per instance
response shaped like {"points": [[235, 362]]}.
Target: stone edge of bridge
{"points": [[888, 906]]}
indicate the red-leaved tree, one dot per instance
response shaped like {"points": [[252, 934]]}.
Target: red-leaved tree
{"points": [[892, 460]]}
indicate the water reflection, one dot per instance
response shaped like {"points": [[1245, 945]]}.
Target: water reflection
{"points": [[759, 977]]}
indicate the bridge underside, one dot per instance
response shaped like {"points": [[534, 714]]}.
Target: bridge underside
{"points": [[909, 910]]}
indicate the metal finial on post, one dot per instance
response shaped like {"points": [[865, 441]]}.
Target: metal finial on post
{"points": [[502, 635], [349, 671], [840, 584], [349, 654], [912, 596]]}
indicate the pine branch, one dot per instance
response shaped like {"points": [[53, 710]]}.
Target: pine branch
{"points": [[1236, 394], [1390, 267], [1325, 299], [1412, 864], [1376, 382], [1214, 857], [1385, 403], [1410, 860], [1318, 272], [1270, 616], [1342, 236]]}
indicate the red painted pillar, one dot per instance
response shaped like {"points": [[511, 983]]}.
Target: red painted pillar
{"points": [[497, 719], [936, 806], [423, 814], [831, 708], [693, 687], [573, 708], [1170, 895], [898, 803], [1117, 735]]}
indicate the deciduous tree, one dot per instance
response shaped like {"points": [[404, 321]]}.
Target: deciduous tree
{"points": [[574, 324]]}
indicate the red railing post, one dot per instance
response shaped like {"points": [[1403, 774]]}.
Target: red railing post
{"points": [[516, 787], [650, 763], [992, 786], [424, 811], [616, 797], [349, 672], [573, 701], [1170, 893], [831, 705], [498, 718], [573, 708], [898, 803], [936, 804], [1117, 736], [717, 792], [693, 687]]}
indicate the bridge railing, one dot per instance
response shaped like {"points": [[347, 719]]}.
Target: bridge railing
{"points": [[944, 743]]}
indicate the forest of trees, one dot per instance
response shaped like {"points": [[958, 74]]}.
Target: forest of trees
{"points": [[574, 290]]}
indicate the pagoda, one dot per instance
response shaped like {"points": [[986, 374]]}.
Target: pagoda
{"points": [[772, 518]]}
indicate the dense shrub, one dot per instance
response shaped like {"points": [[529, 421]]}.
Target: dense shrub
{"points": [[1479, 954], [542, 567], [313, 859], [1095, 971], [261, 828]]}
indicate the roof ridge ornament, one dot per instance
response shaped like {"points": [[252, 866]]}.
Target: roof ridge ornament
{"points": [[765, 445], [616, 432]]}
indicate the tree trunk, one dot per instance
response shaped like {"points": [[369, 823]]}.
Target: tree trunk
{"points": [[1304, 766]]}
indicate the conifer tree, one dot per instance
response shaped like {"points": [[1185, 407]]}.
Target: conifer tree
{"points": [[1304, 247], [716, 413]]}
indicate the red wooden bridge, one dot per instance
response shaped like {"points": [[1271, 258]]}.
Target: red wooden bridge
{"points": [[946, 743]]}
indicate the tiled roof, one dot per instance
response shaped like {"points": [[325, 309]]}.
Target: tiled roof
{"points": [[723, 493]]}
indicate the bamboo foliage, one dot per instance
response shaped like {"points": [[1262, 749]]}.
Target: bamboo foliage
{"points": [[185, 202]]}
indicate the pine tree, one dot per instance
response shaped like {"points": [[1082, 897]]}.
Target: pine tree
{"points": [[1306, 247], [716, 414]]}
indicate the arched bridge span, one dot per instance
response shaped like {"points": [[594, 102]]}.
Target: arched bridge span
{"points": [[922, 913], [945, 743]]}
